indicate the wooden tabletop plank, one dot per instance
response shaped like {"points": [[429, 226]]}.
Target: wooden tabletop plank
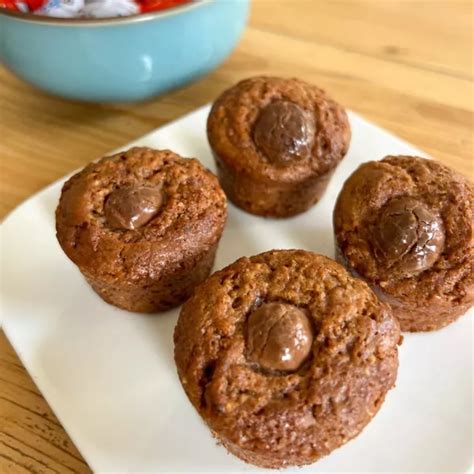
{"points": [[405, 65], [428, 35], [31, 437]]}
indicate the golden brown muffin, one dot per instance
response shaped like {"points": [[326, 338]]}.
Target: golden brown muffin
{"points": [[404, 224], [285, 356], [276, 143], [142, 226]]}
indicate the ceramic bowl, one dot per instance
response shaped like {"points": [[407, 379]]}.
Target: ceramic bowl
{"points": [[121, 59]]}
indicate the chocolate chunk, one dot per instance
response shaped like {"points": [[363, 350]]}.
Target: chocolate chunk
{"points": [[284, 132], [132, 207], [279, 337], [408, 233]]}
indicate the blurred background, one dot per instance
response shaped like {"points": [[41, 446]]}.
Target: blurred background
{"points": [[405, 65]]}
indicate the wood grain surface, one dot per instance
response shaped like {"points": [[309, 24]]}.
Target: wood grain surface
{"points": [[406, 65]]}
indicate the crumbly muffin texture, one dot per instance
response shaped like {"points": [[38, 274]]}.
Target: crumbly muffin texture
{"points": [[405, 225], [263, 409], [235, 113], [276, 143], [142, 219]]}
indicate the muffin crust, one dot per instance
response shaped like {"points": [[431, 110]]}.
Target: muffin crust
{"points": [[276, 143], [404, 224], [273, 415], [142, 226]]}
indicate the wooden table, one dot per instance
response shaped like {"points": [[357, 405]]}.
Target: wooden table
{"points": [[405, 65]]}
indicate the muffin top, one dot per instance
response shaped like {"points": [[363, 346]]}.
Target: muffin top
{"points": [[286, 352], [137, 213], [405, 224], [278, 129]]}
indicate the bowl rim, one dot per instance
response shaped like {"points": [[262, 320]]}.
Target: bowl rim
{"points": [[120, 20]]}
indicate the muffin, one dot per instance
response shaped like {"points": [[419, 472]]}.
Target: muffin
{"points": [[285, 356], [142, 226], [276, 143], [404, 224]]}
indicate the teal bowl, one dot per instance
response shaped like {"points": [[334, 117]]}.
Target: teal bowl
{"points": [[121, 59]]}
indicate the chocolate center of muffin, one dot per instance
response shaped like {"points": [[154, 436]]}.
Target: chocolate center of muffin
{"points": [[409, 233], [279, 337], [284, 132], [131, 207]]}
